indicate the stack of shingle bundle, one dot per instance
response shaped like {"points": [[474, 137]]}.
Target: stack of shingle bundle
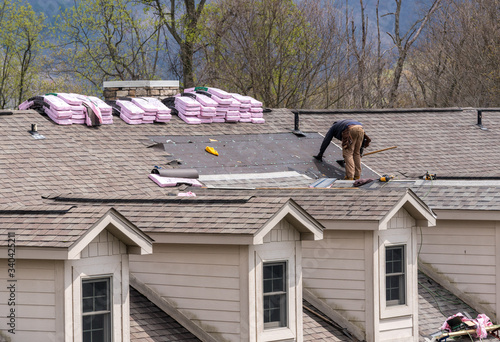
{"points": [[221, 108], [106, 110], [129, 112], [245, 115], [77, 109], [226, 105], [207, 109], [256, 110], [189, 109], [149, 109], [163, 113], [58, 110]]}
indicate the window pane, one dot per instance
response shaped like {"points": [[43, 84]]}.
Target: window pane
{"points": [[96, 318], [268, 285], [275, 301], [395, 275], [88, 304]]}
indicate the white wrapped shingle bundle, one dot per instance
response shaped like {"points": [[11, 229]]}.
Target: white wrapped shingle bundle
{"points": [[129, 112]]}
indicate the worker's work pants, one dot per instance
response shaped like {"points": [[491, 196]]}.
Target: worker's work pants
{"points": [[351, 152]]}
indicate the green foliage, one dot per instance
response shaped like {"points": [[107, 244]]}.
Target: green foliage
{"points": [[101, 40], [20, 45]]}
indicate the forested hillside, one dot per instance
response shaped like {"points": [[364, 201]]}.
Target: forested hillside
{"points": [[286, 53]]}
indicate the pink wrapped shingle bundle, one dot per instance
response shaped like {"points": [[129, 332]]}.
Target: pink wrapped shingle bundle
{"points": [[26, 105], [58, 110], [129, 112], [219, 93], [56, 103], [59, 117], [233, 116], [241, 98], [221, 101], [150, 111], [255, 110], [163, 113], [235, 105], [71, 99], [93, 115], [192, 120], [187, 106], [77, 109], [205, 100], [106, 110]]}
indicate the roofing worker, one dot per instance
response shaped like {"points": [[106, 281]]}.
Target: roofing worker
{"points": [[353, 138]]}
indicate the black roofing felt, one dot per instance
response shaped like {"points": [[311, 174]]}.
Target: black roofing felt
{"points": [[256, 153]]}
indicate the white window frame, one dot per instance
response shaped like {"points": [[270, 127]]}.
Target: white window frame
{"points": [[391, 238], [109, 300], [115, 267], [284, 306], [400, 275], [280, 252]]}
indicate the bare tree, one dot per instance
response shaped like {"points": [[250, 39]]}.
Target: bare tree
{"points": [[182, 24], [274, 50], [403, 43]]}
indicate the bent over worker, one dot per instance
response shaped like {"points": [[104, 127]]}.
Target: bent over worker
{"points": [[354, 139]]}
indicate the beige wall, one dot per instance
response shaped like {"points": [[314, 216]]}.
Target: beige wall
{"points": [[217, 286], [334, 270], [346, 271], [202, 281], [464, 253], [38, 310]]}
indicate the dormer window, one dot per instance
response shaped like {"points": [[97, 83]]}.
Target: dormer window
{"points": [[275, 295], [96, 310]]}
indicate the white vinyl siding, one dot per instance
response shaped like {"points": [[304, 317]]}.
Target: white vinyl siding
{"points": [[37, 309], [201, 281], [465, 253], [334, 269]]}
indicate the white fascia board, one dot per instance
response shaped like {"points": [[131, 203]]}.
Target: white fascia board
{"points": [[133, 237], [468, 215], [303, 222], [422, 214]]}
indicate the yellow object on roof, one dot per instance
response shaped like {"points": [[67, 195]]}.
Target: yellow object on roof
{"points": [[211, 150]]}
